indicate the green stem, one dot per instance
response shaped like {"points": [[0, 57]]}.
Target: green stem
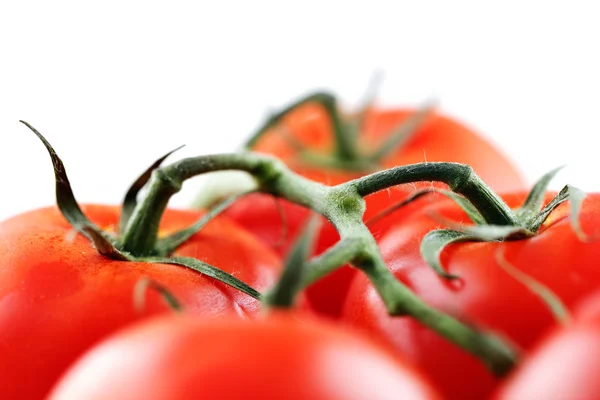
{"points": [[141, 233], [341, 253], [459, 177], [285, 291], [343, 206], [345, 146], [497, 355]]}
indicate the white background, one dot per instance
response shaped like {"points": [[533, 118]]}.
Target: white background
{"points": [[114, 84]]}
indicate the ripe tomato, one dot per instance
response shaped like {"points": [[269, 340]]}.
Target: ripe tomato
{"points": [[279, 357], [438, 138], [58, 296], [565, 365], [486, 295]]}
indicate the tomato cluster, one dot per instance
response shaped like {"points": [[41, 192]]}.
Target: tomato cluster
{"points": [[437, 138], [88, 311]]}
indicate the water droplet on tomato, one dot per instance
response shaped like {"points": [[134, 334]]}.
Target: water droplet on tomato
{"points": [[457, 283]]}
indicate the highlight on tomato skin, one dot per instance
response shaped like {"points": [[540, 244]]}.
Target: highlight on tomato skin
{"points": [[438, 138], [565, 364], [277, 357], [485, 295], [58, 296]]}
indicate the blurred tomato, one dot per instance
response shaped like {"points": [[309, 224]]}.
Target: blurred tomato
{"points": [[485, 295], [58, 296], [565, 365], [279, 357], [437, 138]]}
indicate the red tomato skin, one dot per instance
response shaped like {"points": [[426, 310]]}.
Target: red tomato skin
{"points": [[278, 357], [588, 308], [58, 296], [486, 295], [439, 138], [565, 364]]}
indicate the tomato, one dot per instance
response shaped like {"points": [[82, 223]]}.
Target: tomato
{"points": [[279, 357], [565, 365], [58, 296], [438, 138], [486, 295]]}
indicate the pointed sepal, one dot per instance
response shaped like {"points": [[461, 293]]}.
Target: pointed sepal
{"points": [[285, 291], [465, 205], [130, 200], [208, 270], [576, 198], [574, 195], [485, 232], [326, 99], [535, 199], [434, 243], [69, 208]]}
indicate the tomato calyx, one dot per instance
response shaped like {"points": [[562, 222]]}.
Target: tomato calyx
{"points": [[112, 247], [347, 154], [527, 222], [69, 207], [130, 200]]}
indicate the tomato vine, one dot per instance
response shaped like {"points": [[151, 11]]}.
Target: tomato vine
{"points": [[343, 205]]}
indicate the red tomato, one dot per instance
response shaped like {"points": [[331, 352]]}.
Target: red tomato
{"points": [[486, 295], [439, 138], [279, 357], [565, 365], [588, 308], [58, 296]]}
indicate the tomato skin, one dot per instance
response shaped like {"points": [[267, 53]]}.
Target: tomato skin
{"points": [[439, 138], [565, 364], [58, 296], [486, 295], [277, 357]]}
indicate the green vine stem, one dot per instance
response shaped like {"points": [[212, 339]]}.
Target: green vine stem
{"points": [[344, 207], [345, 147], [285, 291], [460, 178]]}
